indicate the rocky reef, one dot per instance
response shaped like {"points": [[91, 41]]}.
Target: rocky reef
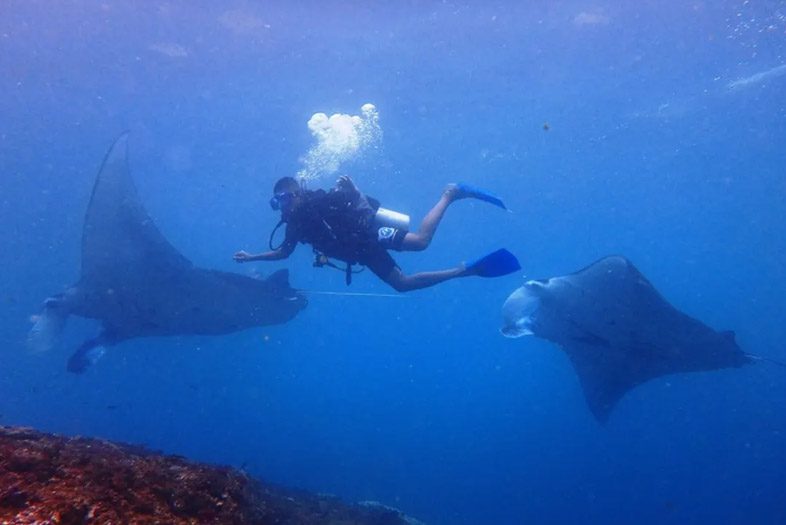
{"points": [[48, 479]]}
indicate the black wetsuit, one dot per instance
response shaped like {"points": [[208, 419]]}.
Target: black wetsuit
{"points": [[340, 225]]}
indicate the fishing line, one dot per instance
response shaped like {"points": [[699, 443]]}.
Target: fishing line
{"points": [[353, 294], [766, 359]]}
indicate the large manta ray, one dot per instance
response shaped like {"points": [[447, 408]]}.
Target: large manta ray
{"points": [[137, 285], [617, 330]]}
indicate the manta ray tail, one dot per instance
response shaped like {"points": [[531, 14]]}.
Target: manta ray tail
{"points": [[48, 325]]}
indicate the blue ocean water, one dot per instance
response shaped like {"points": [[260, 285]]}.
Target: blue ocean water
{"points": [[650, 129]]}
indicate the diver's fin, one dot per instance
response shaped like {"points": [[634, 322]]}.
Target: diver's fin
{"points": [[469, 191], [495, 264]]}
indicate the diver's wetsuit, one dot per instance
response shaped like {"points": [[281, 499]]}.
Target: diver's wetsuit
{"points": [[339, 224]]}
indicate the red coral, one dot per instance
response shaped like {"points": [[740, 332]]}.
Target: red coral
{"points": [[53, 480]]}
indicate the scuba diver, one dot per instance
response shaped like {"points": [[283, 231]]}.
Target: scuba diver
{"points": [[347, 225]]}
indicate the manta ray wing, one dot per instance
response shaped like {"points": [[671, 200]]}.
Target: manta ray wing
{"points": [[138, 285], [119, 239], [606, 373], [619, 332]]}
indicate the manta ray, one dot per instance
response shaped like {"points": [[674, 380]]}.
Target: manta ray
{"points": [[138, 285], [617, 330]]}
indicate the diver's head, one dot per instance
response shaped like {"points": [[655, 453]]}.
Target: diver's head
{"points": [[286, 193]]}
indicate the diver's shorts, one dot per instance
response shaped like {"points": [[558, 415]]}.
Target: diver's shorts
{"points": [[391, 238], [378, 260], [375, 255]]}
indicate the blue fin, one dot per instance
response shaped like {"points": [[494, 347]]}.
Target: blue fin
{"points": [[495, 264], [467, 190]]}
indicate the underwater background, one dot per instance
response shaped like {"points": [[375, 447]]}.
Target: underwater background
{"points": [[656, 130]]}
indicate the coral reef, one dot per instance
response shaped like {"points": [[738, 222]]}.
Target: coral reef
{"points": [[48, 479]]}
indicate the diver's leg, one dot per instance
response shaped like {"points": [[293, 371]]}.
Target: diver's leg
{"points": [[406, 283], [384, 266], [417, 241]]}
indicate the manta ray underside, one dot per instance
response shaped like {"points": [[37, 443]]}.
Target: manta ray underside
{"points": [[138, 285], [617, 330]]}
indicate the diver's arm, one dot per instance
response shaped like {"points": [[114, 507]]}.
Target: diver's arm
{"points": [[283, 252]]}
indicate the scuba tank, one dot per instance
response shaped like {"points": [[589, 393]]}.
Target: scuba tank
{"points": [[393, 219]]}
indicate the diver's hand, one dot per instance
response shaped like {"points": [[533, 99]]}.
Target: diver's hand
{"points": [[344, 183], [242, 256]]}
